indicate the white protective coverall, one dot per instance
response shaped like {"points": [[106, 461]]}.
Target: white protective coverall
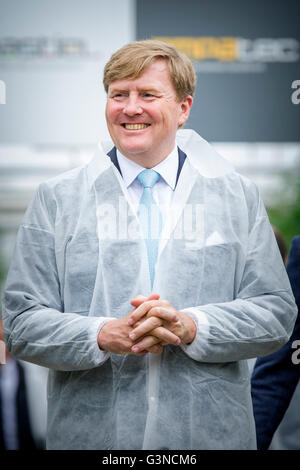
{"points": [[75, 264]]}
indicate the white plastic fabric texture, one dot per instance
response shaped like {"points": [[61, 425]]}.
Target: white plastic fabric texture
{"points": [[79, 261]]}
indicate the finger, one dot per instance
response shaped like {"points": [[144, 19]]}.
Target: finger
{"points": [[168, 314], [142, 353], [139, 299], [161, 334], [166, 336], [156, 349], [146, 343], [140, 311], [144, 328], [154, 297]]}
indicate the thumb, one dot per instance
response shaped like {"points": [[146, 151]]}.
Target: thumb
{"points": [[139, 299]]}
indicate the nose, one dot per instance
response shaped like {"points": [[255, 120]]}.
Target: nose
{"points": [[132, 106]]}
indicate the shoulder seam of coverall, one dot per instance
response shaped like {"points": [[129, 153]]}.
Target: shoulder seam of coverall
{"points": [[258, 219]]}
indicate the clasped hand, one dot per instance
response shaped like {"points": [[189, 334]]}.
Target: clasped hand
{"points": [[150, 326]]}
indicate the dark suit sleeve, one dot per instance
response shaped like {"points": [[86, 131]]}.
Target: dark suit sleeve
{"points": [[26, 440], [275, 377]]}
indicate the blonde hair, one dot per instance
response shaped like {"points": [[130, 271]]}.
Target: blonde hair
{"points": [[130, 62]]}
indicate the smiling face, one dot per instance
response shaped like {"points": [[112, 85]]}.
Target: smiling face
{"points": [[143, 115]]}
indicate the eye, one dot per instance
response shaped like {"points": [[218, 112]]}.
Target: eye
{"points": [[148, 95], [118, 95]]}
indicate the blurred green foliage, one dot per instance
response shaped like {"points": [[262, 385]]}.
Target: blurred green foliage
{"points": [[286, 214]]}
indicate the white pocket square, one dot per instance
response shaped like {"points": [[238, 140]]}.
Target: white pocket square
{"points": [[214, 239]]}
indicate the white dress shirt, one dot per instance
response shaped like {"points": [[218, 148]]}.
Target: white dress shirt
{"points": [[162, 191]]}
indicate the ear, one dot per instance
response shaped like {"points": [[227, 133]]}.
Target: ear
{"points": [[186, 105]]}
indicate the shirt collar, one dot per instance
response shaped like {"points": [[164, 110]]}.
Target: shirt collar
{"points": [[201, 155], [167, 168]]}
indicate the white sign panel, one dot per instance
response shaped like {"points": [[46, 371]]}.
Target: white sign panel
{"points": [[52, 54]]}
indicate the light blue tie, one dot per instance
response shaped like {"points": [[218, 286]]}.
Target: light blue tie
{"points": [[150, 217]]}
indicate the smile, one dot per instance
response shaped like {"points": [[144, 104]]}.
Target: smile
{"points": [[135, 127]]}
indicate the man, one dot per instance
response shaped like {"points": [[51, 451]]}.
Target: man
{"points": [[170, 373], [276, 377]]}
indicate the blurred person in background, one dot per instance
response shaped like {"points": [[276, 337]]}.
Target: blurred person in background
{"points": [[22, 404], [275, 377], [147, 334], [281, 244]]}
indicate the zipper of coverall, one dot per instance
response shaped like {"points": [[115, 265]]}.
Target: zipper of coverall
{"points": [[153, 366], [152, 389]]}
